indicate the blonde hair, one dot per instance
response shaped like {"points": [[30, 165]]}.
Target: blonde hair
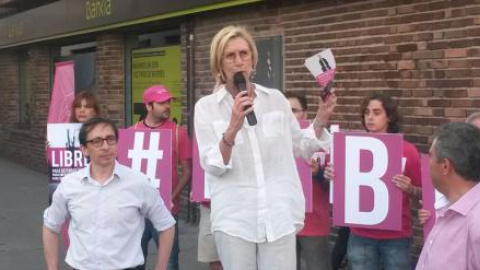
{"points": [[219, 42]]}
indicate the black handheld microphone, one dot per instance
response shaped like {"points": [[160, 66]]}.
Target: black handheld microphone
{"points": [[240, 82]]}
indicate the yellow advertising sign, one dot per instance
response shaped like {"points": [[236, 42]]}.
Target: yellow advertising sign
{"points": [[157, 66]]}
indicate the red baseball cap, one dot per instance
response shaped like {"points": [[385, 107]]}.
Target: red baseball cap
{"points": [[156, 93]]}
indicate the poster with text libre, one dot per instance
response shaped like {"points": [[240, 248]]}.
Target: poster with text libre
{"points": [[364, 194], [63, 152], [63, 93], [151, 153]]}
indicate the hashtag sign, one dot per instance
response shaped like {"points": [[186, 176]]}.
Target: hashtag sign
{"points": [[151, 153]]}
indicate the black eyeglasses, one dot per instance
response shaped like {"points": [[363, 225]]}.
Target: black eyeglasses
{"points": [[98, 142]]}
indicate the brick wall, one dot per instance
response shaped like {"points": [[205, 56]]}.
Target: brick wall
{"points": [[110, 61], [8, 94], [424, 53], [25, 144]]}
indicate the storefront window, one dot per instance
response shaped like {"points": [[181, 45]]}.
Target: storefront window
{"points": [[25, 94]]}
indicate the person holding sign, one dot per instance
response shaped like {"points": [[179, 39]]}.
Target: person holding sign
{"points": [[370, 248], [107, 204], [454, 240], [157, 100], [257, 202], [312, 241], [85, 105]]}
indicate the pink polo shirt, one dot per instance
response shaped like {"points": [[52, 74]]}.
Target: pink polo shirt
{"points": [[412, 170], [454, 242], [181, 151]]}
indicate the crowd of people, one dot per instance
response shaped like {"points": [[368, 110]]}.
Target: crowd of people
{"points": [[256, 215]]}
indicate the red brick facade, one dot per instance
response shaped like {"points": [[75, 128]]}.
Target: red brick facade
{"points": [[423, 52]]}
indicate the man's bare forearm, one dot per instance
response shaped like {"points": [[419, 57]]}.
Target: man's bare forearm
{"points": [[165, 242], [50, 248]]}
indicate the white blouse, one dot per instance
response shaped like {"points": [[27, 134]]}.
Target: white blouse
{"points": [[258, 195]]}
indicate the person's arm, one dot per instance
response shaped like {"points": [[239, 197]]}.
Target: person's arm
{"points": [[410, 181], [184, 179], [53, 218], [154, 209], [239, 112], [50, 248], [325, 110], [165, 242]]}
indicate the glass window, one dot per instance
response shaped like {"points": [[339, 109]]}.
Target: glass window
{"points": [[25, 93]]}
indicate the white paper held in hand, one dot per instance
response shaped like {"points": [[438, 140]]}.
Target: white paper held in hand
{"points": [[323, 67]]}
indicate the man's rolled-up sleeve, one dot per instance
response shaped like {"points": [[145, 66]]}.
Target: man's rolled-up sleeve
{"points": [[154, 209], [56, 214]]}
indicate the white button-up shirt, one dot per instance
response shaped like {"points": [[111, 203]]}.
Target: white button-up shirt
{"points": [[106, 221], [258, 195]]}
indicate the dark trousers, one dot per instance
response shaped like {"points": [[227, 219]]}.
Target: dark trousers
{"points": [[340, 248]]}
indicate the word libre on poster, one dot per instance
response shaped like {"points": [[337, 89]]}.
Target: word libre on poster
{"points": [[63, 153]]}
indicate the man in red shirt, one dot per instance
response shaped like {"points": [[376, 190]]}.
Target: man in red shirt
{"points": [[157, 102]]}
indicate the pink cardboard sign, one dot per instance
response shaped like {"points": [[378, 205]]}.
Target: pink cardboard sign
{"points": [[364, 194], [198, 175], [64, 155], [63, 93], [149, 151], [305, 174], [428, 195]]}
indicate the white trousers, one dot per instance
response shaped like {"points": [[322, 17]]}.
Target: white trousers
{"points": [[238, 254]]}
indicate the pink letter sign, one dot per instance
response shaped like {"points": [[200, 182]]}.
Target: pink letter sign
{"points": [[364, 195], [151, 153], [428, 195], [305, 174], [198, 175]]}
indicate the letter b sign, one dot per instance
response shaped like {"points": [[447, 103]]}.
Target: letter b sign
{"points": [[364, 195]]}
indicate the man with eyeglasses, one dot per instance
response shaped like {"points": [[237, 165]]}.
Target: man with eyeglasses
{"points": [[107, 204]]}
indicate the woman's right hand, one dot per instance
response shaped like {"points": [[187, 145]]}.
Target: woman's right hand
{"points": [[329, 173], [238, 111]]}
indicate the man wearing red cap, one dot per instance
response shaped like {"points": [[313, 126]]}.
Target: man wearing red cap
{"points": [[157, 102]]}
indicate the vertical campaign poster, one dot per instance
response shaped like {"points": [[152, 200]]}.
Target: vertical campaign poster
{"points": [[63, 152], [199, 183], [63, 93], [151, 66], [364, 194], [305, 173], [149, 151]]}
